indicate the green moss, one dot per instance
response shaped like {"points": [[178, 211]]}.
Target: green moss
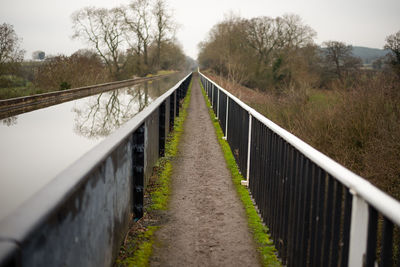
{"points": [[258, 229], [143, 250], [140, 247]]}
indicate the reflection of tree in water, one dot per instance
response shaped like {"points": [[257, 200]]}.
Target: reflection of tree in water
{"points": [[104, 113], [10, 121]]}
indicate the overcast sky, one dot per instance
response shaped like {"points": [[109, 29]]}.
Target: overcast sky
{"points": [[46, 24]]}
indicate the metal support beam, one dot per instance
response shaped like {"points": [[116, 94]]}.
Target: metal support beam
{"points": [[246, 182], [171, 111], [161, 130], [358, 232], [138, 170]]}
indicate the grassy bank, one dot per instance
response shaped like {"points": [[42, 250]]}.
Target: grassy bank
{"points": [[138, 244], [258, 229]]}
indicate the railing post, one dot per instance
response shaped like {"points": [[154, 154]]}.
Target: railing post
{"points": [[161, 130], [358, 232], [176, 103], [227, 115], [138, 170], [246, 182], [171, 112]]}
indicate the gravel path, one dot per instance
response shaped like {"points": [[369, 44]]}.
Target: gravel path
{"points": [[206, 223]]}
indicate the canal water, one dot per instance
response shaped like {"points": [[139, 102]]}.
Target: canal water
{"points": [[38, 145]]}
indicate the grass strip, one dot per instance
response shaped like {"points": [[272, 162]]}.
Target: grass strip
{"points": [[139, 246], [259, 230], [160, 196]]}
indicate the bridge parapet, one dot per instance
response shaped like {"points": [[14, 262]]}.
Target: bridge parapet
{"points": [[319, 213], [81, 217]]}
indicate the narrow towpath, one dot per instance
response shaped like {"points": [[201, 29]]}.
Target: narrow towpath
{"points": [[206, 224]]}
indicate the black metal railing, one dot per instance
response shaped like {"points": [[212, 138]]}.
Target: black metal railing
{"points": [[81, 217], [318, 212]]}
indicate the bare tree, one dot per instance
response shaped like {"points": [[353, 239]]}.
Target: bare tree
{"points": [[10, 53], [164, 26], [339, 58], [101, 28], [277, 44], [140, 23], [393, 44], [293, 33], [262, 37]]}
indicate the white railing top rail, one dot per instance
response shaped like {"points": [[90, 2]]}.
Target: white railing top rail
{"points": [[357, 185]]}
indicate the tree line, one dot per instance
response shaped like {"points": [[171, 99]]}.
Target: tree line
{"points": [[277, 53], [123, 42], [136, 39]]}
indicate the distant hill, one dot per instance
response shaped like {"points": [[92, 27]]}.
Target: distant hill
{"points": [[368, 55]]}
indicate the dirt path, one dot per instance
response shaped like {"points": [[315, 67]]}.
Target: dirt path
{"points": [[206, 224]]}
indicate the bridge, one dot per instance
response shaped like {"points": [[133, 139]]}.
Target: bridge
{"points": [[318, 212]]}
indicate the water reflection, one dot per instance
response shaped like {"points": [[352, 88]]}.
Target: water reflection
{"points": [[101, 115], [46, 141]]}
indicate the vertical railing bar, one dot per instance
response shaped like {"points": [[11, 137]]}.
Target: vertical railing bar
{"points": [[292, 238], [387, 243], [270, 172], [257, 171], [218, 104], [243, 142], [299, 202], [328, 221], [276, 181], [273, 185], [372, 237], [321, 220], [227, 117], [263, 173], [318, 217], [286, 204], [212, 96], [306, 213], [282, 195], [346, 228], [314, 194], [336, 224], [267, 151]]}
